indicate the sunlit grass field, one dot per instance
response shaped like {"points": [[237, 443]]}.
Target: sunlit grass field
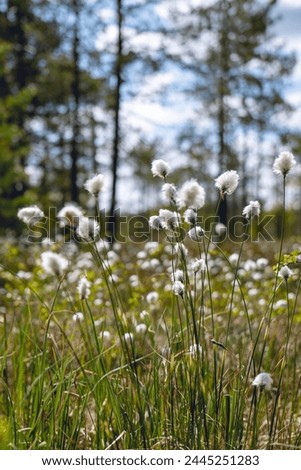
{"points": [[186, 342]]}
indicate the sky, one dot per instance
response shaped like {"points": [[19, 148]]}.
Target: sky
{"points": [[289, 31], [154, 117]]}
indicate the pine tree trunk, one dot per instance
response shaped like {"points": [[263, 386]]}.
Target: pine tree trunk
{"points": [[74, 152], [116, 136], [21, 80], [223, 207], [93, 143]]}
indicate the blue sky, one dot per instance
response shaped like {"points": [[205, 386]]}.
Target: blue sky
{"points": [[151, 115], [289, 31]]}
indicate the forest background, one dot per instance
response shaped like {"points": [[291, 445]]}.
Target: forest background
{"points": [[108, 86]]}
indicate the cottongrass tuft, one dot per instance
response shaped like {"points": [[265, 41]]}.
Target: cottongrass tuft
{"points": [[178, 275], [144, 314], [251, 210], [105, 336], [78, 317], [178, 288], [160, 168], [95, 184], [70, 215], [181, 250], [54, 263], [152, 297], [30, 214], [284, 163], [83, 288], [196, 233], [88, 229], [169, 192], [128, 337], [220, 229], [199, 265], [141, 328], [263, 381], [227, 182], [170, 220], [285, 272], [190, 216], [191, 195], [155, 222]]}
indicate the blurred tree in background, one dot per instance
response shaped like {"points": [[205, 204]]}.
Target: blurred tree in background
{"points": [[26, 40], [71, 70], [236, 78]]}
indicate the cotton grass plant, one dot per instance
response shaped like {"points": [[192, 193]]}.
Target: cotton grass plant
{"points": [[177, 344]]}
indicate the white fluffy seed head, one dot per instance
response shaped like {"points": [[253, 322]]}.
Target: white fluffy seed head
{"points": [[141, 328], [30, 214], [54, 263], [285, 272], [144, 314], [181, 250], [227, 182], [220, 229], [252, 210], [169, 192], [78, 317], [196, 233], [95, 184], [263, 381], [105, 336], [155, 222], [87, 229], [191, 195], [83, 288], [152, 297], [190, 216], [284, 163], [199, 265], [128, 337], [70, 215], [160, 168], [170, 220], [178, 275], [178, 288]]}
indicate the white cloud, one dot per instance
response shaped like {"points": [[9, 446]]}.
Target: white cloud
{"points": [[151, 116], [289, 3], [148, 39]]}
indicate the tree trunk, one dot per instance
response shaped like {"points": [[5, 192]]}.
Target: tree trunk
{"points": [[93, 143], [116, 136], [74, 152], [223, 207], [21, 80]]}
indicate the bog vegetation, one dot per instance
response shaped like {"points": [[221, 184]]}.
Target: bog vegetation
{"points": [[187, 342]]}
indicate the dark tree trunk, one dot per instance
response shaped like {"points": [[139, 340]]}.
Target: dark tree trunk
{"points": [[21, 80], [223, 207], [116, 136], [74, 152], [93, 143], [244, 174]]}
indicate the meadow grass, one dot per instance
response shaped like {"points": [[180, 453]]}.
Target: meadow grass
{"points": [[156, 351]]}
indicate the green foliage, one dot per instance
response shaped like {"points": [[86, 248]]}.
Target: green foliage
{"points": [[4, 434], [140, 367], [11, 149]]}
